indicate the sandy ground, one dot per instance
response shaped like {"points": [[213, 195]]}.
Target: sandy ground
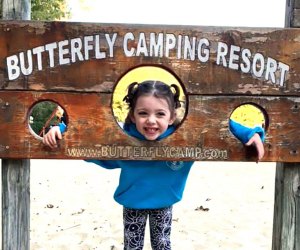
{"points": [[226, 206]]}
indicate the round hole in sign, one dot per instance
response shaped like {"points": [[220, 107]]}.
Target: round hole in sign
{"points": [[155, 81], [247, 119], [45, 114]]}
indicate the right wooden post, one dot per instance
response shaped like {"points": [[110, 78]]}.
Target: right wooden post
{"points": [[286, 227], [286, 223]]}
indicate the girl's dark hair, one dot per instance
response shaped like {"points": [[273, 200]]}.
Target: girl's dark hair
{"points": [[156, 88]]}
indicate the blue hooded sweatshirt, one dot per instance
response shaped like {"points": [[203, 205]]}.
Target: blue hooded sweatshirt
{"points": [[148, 184]]}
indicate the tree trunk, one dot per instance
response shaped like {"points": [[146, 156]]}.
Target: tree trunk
{"points": [[16, 10]]}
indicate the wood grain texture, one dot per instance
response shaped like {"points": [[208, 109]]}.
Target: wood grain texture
{"points": [[286, 223], [93, 130], [88, 60], [89, 74], [286, 210], [15, 204]]}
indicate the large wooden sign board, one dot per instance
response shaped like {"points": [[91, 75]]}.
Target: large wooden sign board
{"points": [[78, 65]]}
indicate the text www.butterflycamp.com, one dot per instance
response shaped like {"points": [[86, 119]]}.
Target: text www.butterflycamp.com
{"points": [[132, 152]]}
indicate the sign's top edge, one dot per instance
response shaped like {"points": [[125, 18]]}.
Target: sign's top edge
{"points": [[141, 25]]}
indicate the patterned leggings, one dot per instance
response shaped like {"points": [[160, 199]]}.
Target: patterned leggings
{"points": [[160, 228]]}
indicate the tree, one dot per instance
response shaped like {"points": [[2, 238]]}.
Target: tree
{"points": [[40, 114], [49, 10]]}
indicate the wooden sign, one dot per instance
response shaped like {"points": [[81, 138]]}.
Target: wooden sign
{"points": [[78, 66]]}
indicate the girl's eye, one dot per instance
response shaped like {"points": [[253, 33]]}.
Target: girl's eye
{"points": [[161, 114], [142, 113]]}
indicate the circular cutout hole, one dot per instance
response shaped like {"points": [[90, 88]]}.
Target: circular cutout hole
{"points": [[248, 119], [140, 75], [45, 114]]}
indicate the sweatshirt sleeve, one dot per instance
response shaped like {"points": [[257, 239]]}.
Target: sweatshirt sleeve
{"points": [[108, 164], [62, 127], [244, 133]]}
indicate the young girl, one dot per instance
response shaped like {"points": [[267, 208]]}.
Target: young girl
{"points": [[147, 189]]}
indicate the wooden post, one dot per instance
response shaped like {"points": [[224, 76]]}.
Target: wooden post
{"points": [[286, 223], [286, 234], [15, 173], [15, 204]]}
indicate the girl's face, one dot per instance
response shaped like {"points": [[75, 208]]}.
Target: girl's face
{"points": [[152, 116]]}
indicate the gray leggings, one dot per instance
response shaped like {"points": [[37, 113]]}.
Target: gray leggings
{"points": [[160, 228]]}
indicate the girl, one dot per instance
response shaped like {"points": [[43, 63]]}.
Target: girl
{"points": [[147, 189]]}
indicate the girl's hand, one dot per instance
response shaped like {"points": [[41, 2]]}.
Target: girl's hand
{"points": [[50, 139], [257, 142]]}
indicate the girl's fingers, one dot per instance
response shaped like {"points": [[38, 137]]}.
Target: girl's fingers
{"points": [[257, 142], [50, 139]]}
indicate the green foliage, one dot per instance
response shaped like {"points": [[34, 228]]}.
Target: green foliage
{"points": [[49, 10], [40, 114]]}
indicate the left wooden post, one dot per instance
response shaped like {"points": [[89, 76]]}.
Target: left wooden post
{"points": [[16, 173], [15, 204]]}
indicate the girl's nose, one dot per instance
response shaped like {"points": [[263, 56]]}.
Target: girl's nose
{"points": [[151, 119]]}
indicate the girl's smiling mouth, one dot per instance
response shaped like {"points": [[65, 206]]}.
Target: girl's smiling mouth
{"points": [[150, 130]]}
